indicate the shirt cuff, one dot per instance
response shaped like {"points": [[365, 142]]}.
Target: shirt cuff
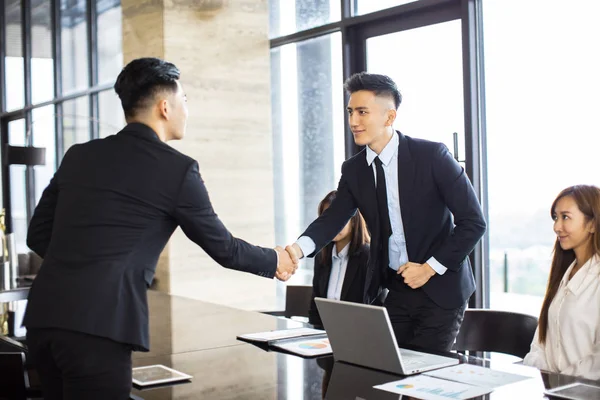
{"points": [[277, 254], [437, 267], [306, 244]]}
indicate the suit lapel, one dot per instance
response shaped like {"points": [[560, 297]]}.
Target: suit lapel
{"points": [[406, 178], [369, 195]]}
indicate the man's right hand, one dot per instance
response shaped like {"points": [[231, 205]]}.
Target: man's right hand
{"points": [[286, 266], [295, 252]]}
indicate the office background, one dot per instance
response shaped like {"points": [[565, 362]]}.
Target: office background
{"points": [[511, 86]]}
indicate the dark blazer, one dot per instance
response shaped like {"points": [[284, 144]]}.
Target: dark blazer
{"points": [[440, 212], [353, 287], [101, 225]]}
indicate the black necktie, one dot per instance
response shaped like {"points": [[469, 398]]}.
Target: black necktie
{"points": [[385, 227]]}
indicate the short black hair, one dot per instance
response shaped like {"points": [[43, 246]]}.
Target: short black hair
{"points": [[381, 85], [141, 79]]}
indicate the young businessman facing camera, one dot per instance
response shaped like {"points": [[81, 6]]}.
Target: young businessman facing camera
{"points": [[421, 210]]}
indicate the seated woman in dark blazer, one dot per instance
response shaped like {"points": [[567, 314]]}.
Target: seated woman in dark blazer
{"points": [[341, 266]]}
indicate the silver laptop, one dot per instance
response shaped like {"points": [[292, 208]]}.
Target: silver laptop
{"points": [[362, 334]]}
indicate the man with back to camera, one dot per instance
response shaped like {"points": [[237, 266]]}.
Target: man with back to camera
{"points": [[101, 225], [422, 212]]}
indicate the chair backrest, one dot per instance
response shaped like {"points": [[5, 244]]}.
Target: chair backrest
{"points": [[13, 378], [496, 331], [297, 301], [9, 345]]}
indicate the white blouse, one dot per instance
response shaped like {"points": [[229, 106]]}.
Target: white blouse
{"points": [[573, 338], [339, 264]]}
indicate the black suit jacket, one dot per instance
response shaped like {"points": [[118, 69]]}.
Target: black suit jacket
{"points": [[101, 225], [440, 213], [353, 287]]}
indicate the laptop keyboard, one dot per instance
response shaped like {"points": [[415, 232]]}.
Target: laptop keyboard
{"points": [[412, 359]]}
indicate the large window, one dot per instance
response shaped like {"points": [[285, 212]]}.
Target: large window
{"points": [[308, 133], [369, 6], [290, 16], [74, 50], [426, 63], [13, 55], [315, 46], [542, 86], [58, 62]]}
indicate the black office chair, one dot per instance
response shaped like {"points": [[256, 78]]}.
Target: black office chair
{"points": [[14, 382], [496, 331], [297, 302], [9, 345], [14, 373]]}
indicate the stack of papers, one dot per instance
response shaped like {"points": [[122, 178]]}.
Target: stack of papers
{"points": [[271, 336], [306, 347], [477, 376], [463, 381], [428, 388], [306, 342]]}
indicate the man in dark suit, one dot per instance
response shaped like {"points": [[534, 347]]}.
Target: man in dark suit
{"points": [[422, 212], [101, 225]]}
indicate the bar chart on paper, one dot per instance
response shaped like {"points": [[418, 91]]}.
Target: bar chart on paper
{"points": [[476, 376], [429, 388], [442, 393]]}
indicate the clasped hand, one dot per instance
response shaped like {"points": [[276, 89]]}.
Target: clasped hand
{"points": [[286, 266], [416, 275]]}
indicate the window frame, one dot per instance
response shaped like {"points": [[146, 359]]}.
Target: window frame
{"points": [[357, 29], [92, 92]]}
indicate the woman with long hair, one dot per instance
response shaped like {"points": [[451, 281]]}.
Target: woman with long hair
{"points": [[341, 266], [567, 340]]}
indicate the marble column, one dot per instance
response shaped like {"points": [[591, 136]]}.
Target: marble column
{"points": [[222, 50]]}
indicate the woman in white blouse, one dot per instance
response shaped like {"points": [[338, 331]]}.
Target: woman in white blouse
{"points": [[567, 340]]}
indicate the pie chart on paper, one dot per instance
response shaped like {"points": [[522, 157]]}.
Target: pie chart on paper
{"points": [[313, 346]]}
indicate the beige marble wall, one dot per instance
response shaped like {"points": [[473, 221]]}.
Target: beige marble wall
{"points": [[143, 29], [222, 50]]}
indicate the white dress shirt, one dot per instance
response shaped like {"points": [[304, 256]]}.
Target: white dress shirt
{"points": [[339, 264], [398, 255], [573, 337]]}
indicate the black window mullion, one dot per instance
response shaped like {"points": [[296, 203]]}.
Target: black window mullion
{"points": [[393, 15], [475, 135], [349, 145], [94, 123], [2, 58], [92, 35], [27, 54], [3, 128], [57, 55], [26, 47], [346, 8], [5, 176]]}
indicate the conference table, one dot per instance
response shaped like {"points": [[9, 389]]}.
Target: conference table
{"points": [[199, 339]]}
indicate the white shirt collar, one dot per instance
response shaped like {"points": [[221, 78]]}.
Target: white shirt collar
{"points": [[387, 153], [576, 283], [342, 254]]}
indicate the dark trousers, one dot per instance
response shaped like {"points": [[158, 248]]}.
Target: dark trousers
{"points": [[77, 366], [418, 321]]}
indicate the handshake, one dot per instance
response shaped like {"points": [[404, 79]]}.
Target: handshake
{"points": [[288, 260]]}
